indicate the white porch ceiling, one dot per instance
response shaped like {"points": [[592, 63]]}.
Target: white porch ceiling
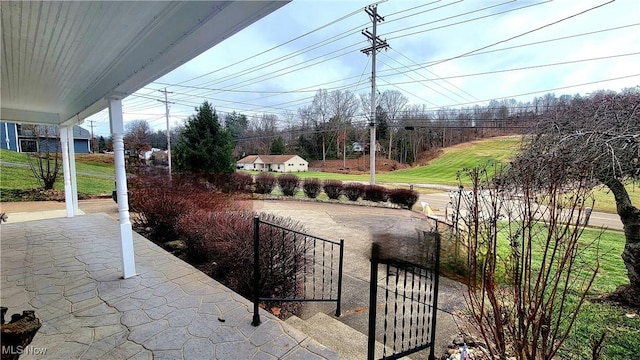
{"points": [[61, 60]]}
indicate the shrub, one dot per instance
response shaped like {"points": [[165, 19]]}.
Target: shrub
{"points": [[265, 183], [375, 193], [289, 184], [403, 197], [311, 188], [353, 191], [241, 182], [333, 188], [158, 204], [221, 245]]}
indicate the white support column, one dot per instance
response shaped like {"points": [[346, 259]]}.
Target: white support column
{"points": [[72, 169], [64, 146], [126, 231]]}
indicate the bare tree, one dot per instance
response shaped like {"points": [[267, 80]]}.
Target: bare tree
{"points": [[393, 103], [137, 138], [527, 277], [46, 162], [598, 139]]}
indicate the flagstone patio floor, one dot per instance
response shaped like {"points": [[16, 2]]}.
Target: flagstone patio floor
{"points": [[69, 271]]}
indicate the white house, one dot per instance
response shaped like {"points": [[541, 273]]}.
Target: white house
{"points": [[277, 163]]}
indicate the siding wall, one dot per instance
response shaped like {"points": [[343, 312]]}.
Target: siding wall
{"points": [[10, 130]]}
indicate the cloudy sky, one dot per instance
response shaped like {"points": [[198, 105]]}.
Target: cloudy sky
{"points": [[447, 53]]}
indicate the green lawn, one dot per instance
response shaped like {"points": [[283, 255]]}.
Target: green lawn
{"points": [[444, 169], [93, 178], [97, 178], [595, 317]]}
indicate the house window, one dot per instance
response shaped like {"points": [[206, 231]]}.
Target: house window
{"points": [[28, 145], [278, 166]]}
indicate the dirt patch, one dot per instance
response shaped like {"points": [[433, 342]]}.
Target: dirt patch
{"points": [[95, 158], [356, 166]]}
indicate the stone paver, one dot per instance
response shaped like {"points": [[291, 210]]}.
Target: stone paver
{"points": [[69, 271]]}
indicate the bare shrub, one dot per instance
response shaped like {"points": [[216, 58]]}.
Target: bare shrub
{"points": [[311, 187], [221, 245], [333, 188], [265, 183], [241, 182], [158, 204], [289, 184], [527, 273], [403, 197], [45, 162], [353, 191], [375, 193]]}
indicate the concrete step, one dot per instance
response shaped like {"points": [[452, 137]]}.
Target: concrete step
{"points": [[349, 343]]}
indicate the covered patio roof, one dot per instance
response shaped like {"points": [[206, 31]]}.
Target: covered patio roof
{"points": [[64, 61], [61, 61]]}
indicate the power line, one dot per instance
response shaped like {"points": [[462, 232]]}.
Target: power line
{"points": [[275, 47], [461, 22], [524, 33], [522, 68]]}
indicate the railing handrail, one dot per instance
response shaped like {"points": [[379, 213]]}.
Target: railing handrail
{"points": [[297, 232], [333, 266], [431, 275]]}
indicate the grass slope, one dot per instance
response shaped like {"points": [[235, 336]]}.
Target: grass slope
{"points": [[443, 170], [93, 178]]}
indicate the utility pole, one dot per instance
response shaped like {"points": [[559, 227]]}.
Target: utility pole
{"points": [[376, 44], [166, 108], [93, 145]]}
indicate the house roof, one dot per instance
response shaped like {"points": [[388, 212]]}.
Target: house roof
{"points": [[267, 159], [63, 60], [248, 159], [276, 159]]}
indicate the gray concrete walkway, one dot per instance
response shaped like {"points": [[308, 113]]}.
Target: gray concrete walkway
{"points": [[69, 271]]}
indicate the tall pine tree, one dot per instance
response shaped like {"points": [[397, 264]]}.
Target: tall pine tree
{"points": [[204, 146]]}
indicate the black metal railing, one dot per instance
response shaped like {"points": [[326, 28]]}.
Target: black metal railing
{"points": [[409, 296], [292, 266]]}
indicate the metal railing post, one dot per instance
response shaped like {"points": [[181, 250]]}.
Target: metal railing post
{"points": [[338, 312], [373, 299], [256, 271], [436, 279]]}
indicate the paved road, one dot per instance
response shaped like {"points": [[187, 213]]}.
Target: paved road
{"points": [[438, 203]]}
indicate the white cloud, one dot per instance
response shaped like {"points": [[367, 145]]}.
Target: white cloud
{"points": [[239, 54]]}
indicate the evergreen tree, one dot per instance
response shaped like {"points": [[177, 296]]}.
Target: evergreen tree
{"points": [[278, 147], [204, 146], [102, 144]]}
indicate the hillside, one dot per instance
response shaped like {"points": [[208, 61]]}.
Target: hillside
{"points": [[438, 167]]}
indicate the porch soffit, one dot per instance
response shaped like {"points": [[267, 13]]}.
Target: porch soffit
{"points": [[62, 60]]}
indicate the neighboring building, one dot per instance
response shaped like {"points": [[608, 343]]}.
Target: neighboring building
{"points": [[277, 163], [16, 137]]}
